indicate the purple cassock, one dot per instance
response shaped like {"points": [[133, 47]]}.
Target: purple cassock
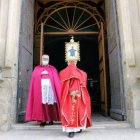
{"points": [[35, 109]]}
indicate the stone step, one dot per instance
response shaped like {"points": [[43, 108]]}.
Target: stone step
{"points": [[96, 125]]}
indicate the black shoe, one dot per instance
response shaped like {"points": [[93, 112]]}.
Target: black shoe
{"points": [[71, 134], [51, 123], [79, 131], [42, 124]]}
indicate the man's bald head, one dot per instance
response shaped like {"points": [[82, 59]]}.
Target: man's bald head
{"points": [[45, 56], [45, 59]]}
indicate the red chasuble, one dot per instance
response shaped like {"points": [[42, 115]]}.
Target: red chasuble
{"points": [[75, 100]]}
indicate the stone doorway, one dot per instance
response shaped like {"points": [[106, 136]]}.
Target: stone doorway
{"points": [[115, 105]]}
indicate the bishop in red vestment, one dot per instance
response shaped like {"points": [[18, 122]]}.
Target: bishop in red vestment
{"points": [[75, 100]]}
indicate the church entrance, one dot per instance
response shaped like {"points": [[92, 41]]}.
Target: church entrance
{"points": [[55, 22]]}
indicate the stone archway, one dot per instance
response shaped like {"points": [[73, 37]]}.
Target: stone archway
{"points": [[92, 17], [73, 18], [117, 106], [116, 96]]}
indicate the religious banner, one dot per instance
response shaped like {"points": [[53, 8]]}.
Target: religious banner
{"points": [[72, 50]]}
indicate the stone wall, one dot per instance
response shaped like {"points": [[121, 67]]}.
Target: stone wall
{"points": [[9, 32], [135, 70], [10, 21], [129, 26]]}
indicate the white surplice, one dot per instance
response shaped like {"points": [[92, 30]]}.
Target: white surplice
{"points": [[47, 92]]}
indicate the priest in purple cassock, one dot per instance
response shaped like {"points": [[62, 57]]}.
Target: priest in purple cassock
{"points": [[44, 93]]}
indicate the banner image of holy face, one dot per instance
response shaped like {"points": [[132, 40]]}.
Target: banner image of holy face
{"points": [[72, 51]]}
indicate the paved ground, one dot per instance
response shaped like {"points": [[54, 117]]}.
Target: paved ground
{"points": [[57, 134], [104, 128]]}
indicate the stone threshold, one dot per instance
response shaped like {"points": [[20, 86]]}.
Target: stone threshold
{"points": [[96, 125]]}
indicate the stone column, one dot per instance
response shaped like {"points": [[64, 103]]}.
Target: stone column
{"points": [[8, 88], [4, 4], [12, 43], [135, 26], [129, 24]]}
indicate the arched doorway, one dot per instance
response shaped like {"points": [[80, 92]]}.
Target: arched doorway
{"points": [[85, 20], [79, 19]]}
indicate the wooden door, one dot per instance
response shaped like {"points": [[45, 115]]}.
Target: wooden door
{"points": [[102, 70], [25, 59], [25, 70], [117, 105]]}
